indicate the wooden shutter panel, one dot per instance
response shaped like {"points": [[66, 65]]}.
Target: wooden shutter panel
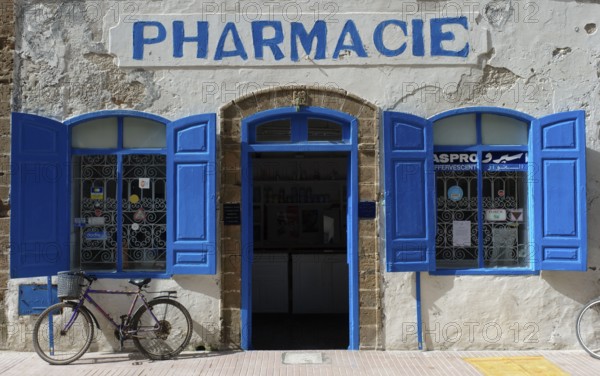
{"points": [[191, 213], [409, 193], [39, 223], [559, 185]]}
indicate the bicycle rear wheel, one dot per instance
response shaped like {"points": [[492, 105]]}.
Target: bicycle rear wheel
{"points": [[54, 341], [167, 338], [588, 328]]}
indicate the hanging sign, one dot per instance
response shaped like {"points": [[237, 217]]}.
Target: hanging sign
{"points": [[95, 235], [366, 210], [515, 215], [95, 221], [134, 199], [139, 215], [501, 193], [97, 193], [232, 214], [144, 183], [455, 193], [79, 222], [135, 226], [495, 215]]}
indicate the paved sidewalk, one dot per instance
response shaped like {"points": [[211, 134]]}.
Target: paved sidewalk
{"points": [[439, 363]]}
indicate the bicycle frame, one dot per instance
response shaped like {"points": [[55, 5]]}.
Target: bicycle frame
{"points": [[86, 296]]}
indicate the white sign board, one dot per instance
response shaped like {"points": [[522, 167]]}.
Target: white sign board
{"points": [[169, 40]]}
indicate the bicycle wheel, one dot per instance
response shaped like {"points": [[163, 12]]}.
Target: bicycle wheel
{"points": [[168, 337], [54, 341], [588, 328]]}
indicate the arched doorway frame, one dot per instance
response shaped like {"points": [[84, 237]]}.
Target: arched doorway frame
{"points": [[350, 146], [230, 181]]}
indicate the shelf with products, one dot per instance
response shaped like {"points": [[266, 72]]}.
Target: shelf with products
{"points": [[299, 202]]}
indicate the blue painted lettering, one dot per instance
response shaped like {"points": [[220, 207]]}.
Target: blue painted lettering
{"points": [[418, 47], [260, 42], [201, 39], [390, 38], [438, 36], [220, 53], [139, 39], [378, 38], [355, 45], [318, 32]]}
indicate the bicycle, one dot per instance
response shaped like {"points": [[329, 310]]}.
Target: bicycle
{"points": [[160, 329], [588, 328]]}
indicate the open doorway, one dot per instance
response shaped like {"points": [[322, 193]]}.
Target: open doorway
{"points": [[300, 297]]}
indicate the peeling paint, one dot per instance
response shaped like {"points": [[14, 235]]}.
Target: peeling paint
{"points": [[590, 28], [561, 52], [498, 12]]}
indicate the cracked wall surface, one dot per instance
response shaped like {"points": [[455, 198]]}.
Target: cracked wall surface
{"points": [[7, 46], [543, 57]]}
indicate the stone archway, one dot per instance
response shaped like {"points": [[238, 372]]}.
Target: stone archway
{"points": [[231, 116]]}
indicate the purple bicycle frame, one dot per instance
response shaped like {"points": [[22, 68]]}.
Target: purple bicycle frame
{"points": [[87, 297]]}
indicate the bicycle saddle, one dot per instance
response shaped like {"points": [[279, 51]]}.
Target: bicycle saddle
{"points": [[140, 282]]}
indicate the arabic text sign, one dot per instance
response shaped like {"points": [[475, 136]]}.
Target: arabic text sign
{"points": [[492, 161], [375, 38]]}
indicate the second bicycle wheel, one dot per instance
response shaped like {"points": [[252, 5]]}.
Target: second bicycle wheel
{"points": [[167, 337], [588, 328], [61, 335]]}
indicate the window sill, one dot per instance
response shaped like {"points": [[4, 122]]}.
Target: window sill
{"points": [[497, 271]]}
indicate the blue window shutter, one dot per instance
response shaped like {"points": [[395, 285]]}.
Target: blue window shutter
{"points": [[191, 198], [39, 223], [409, 193], [559, 199]]}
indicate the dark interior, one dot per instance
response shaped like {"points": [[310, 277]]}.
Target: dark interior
{"points": [[300, 273]]}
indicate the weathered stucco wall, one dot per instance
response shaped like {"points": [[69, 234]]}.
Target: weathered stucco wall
{"points": [[543, 57], [7, 45]]}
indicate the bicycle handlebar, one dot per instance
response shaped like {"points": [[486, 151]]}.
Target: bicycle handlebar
{"points": [[90, 277]]}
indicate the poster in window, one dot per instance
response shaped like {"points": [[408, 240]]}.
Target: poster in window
{"points": [[461, 233], [144, 183], [495, 215], [97, 193], [515, 215], [504, 241]]}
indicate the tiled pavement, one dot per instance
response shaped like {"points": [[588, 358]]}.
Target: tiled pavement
{"points": [[249, 363]]}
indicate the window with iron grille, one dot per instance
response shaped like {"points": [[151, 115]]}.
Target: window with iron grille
{"points": [[480, 163], [119, 201]]}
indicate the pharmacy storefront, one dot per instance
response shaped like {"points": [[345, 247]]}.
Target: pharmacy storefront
{"points": [[312, 176]]}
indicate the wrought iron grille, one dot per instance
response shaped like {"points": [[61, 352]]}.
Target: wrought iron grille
{"points": [[448, 254], [505, 240], [97, 183], [142, 206], [144, 212]]}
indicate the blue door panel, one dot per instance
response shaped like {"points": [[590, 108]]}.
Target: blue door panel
{"points": [[191, 158], [409, 193], [560, 223], [39, 197]]}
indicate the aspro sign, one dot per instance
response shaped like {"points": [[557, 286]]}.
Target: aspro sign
{"points": [[177, 40]]}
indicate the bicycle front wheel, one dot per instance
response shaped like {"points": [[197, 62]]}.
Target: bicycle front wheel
{"points": [[588, 328], [163, 331], [62, 335]]}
